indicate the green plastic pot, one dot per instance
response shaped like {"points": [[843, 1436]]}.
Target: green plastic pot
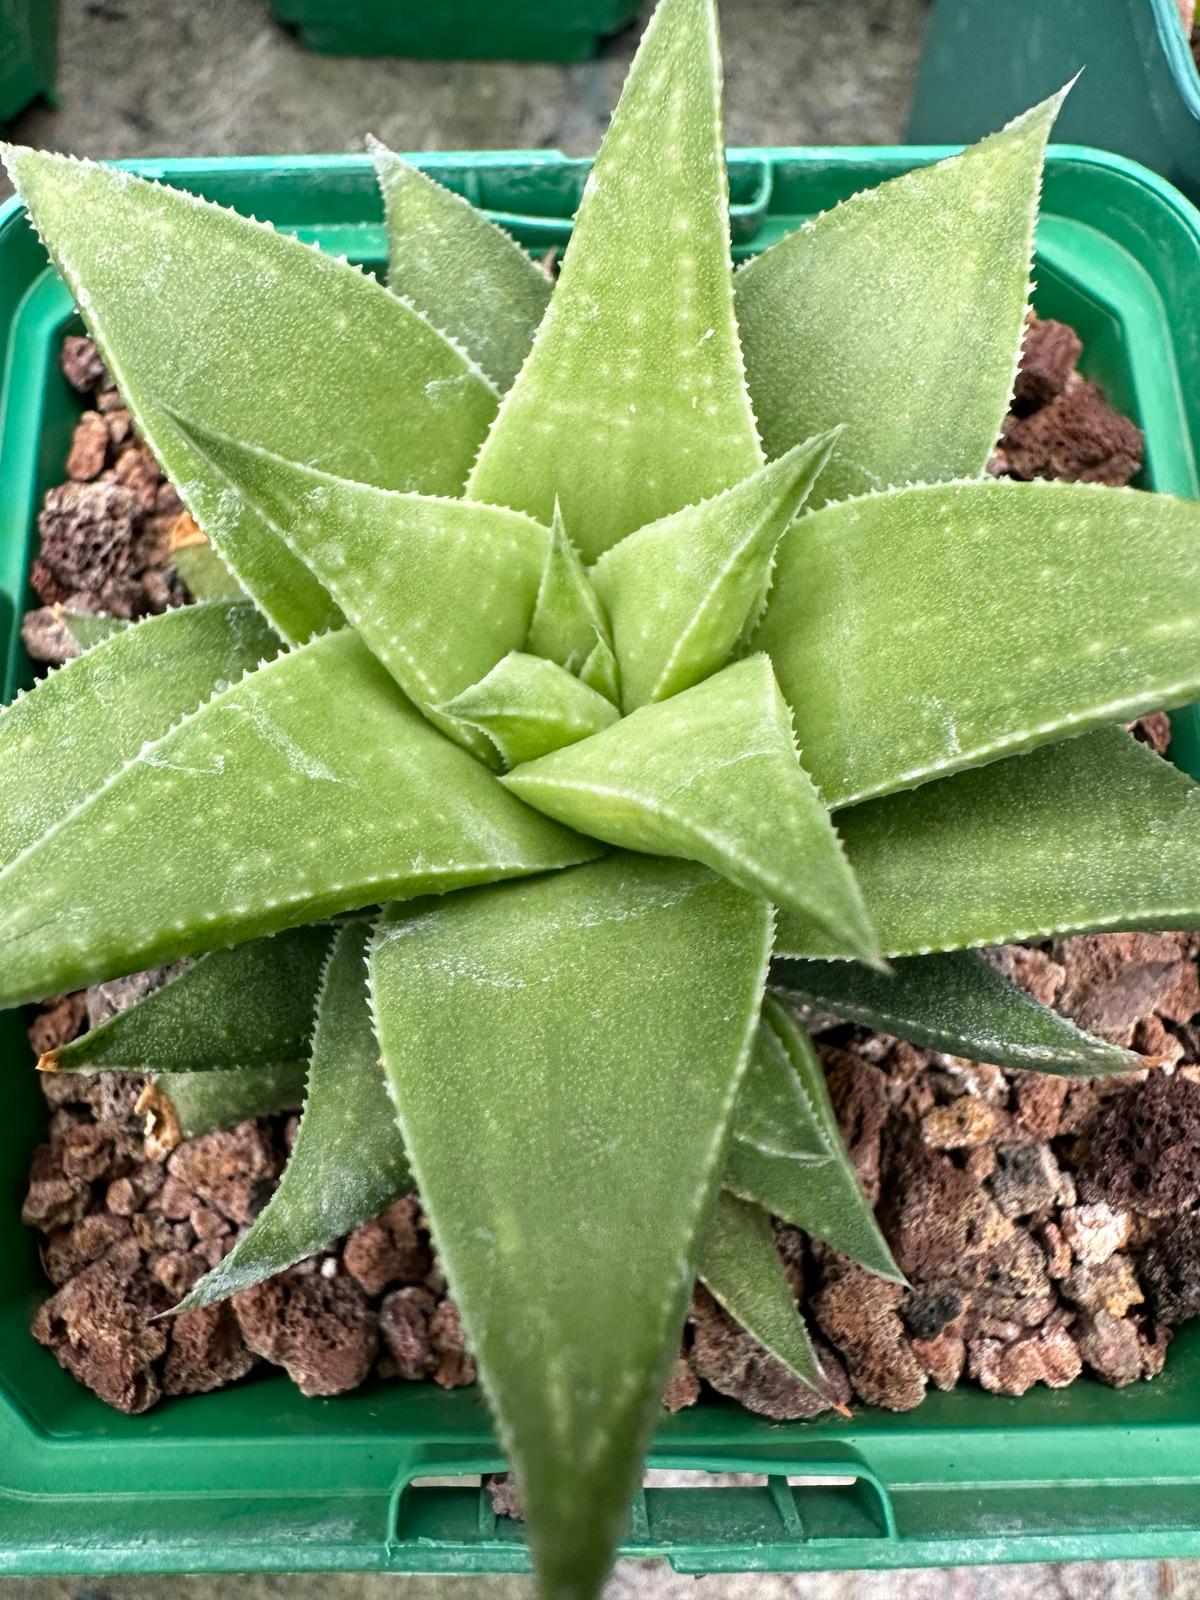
{"points": [[257, 1478], [28, 39], [1139, 93], [514, 30]]}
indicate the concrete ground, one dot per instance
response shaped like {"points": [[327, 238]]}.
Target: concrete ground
{"points": [[192, 77]]}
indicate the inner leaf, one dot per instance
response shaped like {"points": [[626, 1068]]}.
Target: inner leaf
{"points": [[529, 706], [439, 589], [710, 775], [679, 591]]}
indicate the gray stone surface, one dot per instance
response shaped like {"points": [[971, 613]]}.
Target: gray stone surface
{"points": [[1140, 1580], [194, 77], [188, 77]]}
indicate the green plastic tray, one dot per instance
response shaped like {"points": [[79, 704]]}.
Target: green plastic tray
{"points": [[258, 1478], [514, 30], [986, 60], [28, 38]]}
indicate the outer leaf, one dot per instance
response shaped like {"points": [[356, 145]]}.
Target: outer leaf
{"points": [[777, 1171], [920, 632], [568, 621], [348, 1159], [564, 1057], [712, 776], [73, 730], [901, 314], [206, 575], [183, 1105], [775, 1113], [956, 1002], [632, 402], [87, 628], [1097, 833], [458, 268], [343, 795], [439, 589], [266, 325], [528, 706], [740, 1267], [245, 1007], [679, 591]]}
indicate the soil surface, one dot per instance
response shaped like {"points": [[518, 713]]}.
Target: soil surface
{"points": [[1047, 1226]]}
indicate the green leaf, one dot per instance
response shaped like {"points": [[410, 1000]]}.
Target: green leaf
{"points": [[568, 621], [244, 1007], [1096, 833], [710, 775], [459, 269], [287, 348], [88, 629], [206, 575], [600, 672], [680, 591], [775, 1113], [347, 1161], [633, 403], [308, 788], [564, 1057], [79, 725], [773, 1165], [900, 313], [927, 630], [956, 1002], [740, 1267], [183, 1105], [439, 589], [528, 706]]}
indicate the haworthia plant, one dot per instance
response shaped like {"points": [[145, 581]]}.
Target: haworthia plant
{"points": [[554, 713]]}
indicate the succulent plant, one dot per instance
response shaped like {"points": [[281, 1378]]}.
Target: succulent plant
{"points": [[496, 805]]}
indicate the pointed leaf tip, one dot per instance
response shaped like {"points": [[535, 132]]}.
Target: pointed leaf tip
{"points": [[568, 618], [680, 592], [634, 391], [957, 1002], [784, 1118], [458, 268], [741, 1268], [901, 313]]}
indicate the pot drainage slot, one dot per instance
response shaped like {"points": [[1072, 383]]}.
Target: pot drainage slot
{"points": [[680, 1508], [674, 1510]]}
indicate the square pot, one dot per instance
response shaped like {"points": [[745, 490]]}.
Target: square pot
{"points": [[455, 30], [1139, 92], [257, 1478]]}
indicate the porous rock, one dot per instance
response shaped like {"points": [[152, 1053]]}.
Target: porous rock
{"points": [[206, 1352], [233, 1170], [388, 1249], [859, 1315], [1044, 1355], [322, 1331], [100, 1329], [1142, 1151]]}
